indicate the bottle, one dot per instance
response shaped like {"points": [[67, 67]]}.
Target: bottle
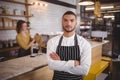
{"points": [[11, 43], [34, 49]]}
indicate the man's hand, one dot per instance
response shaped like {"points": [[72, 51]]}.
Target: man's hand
{"points": [[54, 56], [77, 63]]}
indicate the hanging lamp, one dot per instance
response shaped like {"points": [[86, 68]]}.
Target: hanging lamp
{"points": [[86, 2], [97, 10]]}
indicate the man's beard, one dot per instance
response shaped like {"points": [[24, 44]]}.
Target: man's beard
{"points": [[68, 30]]}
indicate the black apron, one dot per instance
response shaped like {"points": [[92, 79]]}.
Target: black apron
{"points": [[22, 52], [67, 53]]}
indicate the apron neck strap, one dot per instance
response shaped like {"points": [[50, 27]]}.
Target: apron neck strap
{"points": [[75, 40], [60, 41]]}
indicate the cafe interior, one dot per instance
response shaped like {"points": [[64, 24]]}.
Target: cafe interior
{"points": [[98, 21]]}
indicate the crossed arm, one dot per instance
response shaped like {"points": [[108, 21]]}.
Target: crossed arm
{"points": [[54, 56], [71, 66]]}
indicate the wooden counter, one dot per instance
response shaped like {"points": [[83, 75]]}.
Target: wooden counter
{"points": [[18, 66], [28, 68], [97, 50]]}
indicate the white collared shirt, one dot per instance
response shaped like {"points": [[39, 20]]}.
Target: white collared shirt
{"points": [[68, 66]]}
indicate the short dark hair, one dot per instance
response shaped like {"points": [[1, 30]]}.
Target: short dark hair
{"points": [[69, 13], [19, 25]]}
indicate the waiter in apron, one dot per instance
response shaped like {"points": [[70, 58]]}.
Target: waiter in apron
{"points": [[69, 54]]}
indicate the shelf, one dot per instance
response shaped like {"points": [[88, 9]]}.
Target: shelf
{"points": [[9, 49], [9, 28], [15, 2], [25, 3], [15, 15]]}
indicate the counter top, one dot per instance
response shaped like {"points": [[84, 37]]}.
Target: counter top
{"points": [[95, 43], [18, 66]]}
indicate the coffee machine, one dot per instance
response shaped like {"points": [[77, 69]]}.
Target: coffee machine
{"points": [[34, 49]]}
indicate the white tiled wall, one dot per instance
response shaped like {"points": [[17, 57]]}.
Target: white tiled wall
{"points": [[45, 19], [48, 19], [7, 35], [78, 17]]}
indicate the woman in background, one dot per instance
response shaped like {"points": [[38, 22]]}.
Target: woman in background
{"points": [[23, 38]]}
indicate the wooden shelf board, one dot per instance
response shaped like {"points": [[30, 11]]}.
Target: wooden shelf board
{"points": [[15, 2], [9, 28], [9, 49], [15, 15]]}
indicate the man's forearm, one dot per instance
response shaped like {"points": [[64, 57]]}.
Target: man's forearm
{"points": [[60, 65], [76, 63]]}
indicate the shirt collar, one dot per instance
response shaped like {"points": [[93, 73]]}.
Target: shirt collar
{"points": [[69, 37]]}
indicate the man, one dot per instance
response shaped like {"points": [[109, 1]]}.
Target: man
{"points": [[69, 55]]}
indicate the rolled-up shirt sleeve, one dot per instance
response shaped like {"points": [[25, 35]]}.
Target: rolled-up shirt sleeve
{"points": [[57, 64]]}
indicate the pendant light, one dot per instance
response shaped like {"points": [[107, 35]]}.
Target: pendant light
{"points": [[86, 2], [97, 10]]}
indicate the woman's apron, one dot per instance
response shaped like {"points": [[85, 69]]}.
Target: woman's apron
{"points": [[22, 52], [67, 53]]}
